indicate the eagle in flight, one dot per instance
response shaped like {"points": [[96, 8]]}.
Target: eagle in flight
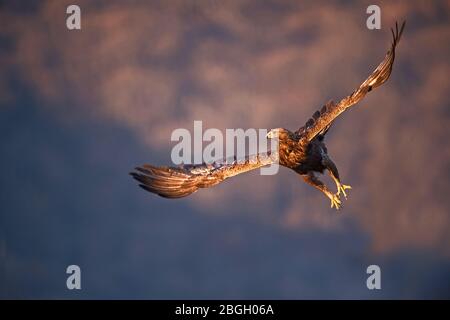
{"points": [[303, 151]]}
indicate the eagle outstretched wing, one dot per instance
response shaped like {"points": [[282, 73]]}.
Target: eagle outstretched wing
{"points": [[178, 182], [322, 120]]}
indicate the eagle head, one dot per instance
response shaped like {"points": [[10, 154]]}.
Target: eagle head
{"points": [[276, 133]]}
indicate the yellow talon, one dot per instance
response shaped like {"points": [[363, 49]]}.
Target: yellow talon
{"points": [[342, 188], [335, 201]]}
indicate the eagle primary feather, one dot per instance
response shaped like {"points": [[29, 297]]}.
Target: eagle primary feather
{"points": [[303, 151]]}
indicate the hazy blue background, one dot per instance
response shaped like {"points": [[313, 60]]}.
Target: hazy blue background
{"points": [[80, 109]]}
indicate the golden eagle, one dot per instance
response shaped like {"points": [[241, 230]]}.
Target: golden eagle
{"points": [[303, 151]]}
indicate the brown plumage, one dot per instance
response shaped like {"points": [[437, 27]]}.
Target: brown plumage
{"points": [[173, 182], [303, 151]]}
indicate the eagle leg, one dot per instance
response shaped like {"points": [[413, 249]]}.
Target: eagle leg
{"points": [[311, 179], [334, 174]]}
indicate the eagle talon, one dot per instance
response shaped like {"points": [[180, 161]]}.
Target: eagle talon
{"points": [[335, 201], [342, 188]]}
